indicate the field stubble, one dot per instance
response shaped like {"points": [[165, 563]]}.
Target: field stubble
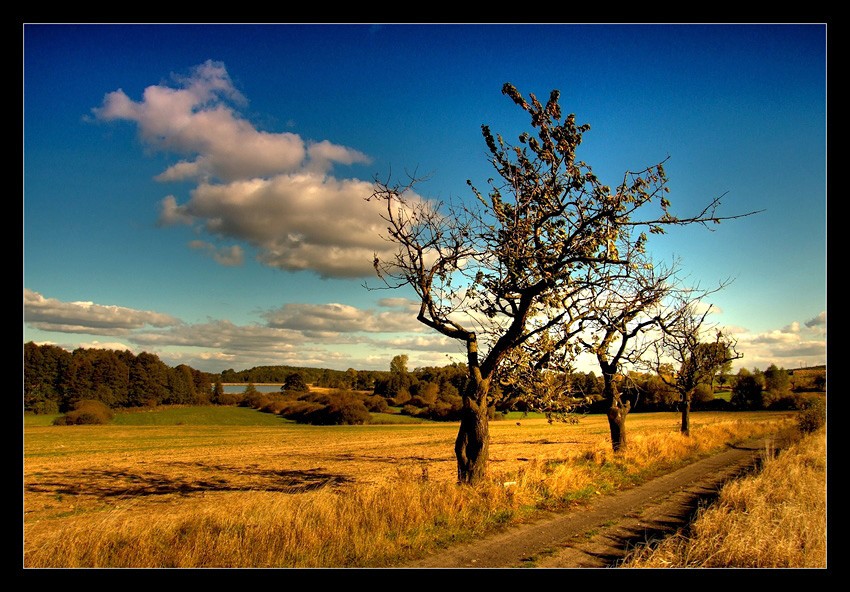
{"points": [[306, 496]]}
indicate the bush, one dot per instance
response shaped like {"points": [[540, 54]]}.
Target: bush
{"points": [[703, 393], [783, 401], [812, 416], [376, 403], [86, 412], [255, 400], [275, 405], [45, 407], [230, 398]]}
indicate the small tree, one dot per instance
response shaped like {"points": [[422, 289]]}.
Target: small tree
{"points": [[294, 383], [626, 308], [218, 393], [747, 392], [698, 361]]}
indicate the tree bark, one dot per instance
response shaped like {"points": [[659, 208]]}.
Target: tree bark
{"points": [[686, 417], [617, 423], [472, 446], [617, 413]]}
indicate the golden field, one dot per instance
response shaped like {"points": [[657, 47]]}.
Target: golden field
{"points": [[289, 495]]}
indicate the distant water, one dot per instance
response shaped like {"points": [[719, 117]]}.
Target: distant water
{"points": [[262, 388]]}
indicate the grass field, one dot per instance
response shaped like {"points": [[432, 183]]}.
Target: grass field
{"points": [[775, 518], [232, 487]]}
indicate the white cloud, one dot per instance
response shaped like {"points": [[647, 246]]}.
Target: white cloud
{"points": [[789, 347], [297, 222], [171, 213], [49, 314], [326, 320], [227, 256], [113, 345], [271, 190]]}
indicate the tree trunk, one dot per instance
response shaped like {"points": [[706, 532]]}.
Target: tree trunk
{"points": [[617, 423], [686, 417], [472, 446], [617, 412]]}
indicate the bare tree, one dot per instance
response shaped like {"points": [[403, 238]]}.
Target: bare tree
{"points": [[628, 306], [495, 275], [696, 359]]}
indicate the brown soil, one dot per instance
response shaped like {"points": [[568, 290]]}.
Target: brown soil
{"points": [[600, 534]]}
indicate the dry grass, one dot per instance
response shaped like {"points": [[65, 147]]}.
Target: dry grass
{"points": [[776, 518], [303, 496]]}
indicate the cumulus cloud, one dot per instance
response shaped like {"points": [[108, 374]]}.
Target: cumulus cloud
{"points": [[170, 213], [222, 335], [792, 328], [789, 347], [227, 256], [322, 320], [817, 323], [296, 222], [270, 189], [50, 314]]}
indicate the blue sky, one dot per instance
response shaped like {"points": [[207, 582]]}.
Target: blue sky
{"points": [[197, 191]]}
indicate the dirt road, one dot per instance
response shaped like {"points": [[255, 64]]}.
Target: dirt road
{"points": [[599, 535]]}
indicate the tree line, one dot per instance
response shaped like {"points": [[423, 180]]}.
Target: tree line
{"points": [[55, 380]]}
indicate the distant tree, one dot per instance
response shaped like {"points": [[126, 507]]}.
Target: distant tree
{"points": [[697, 360], [43, 367], [747, 392], [777, 379], [218, 392], [398, 365], [295, 383]]}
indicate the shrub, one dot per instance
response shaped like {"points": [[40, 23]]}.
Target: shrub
{"points": [[86, 412], [230, 398], [376, 403], [255, 400], [275, 405], [45, 407], [703, 393], [812, 416], [783, 401]]}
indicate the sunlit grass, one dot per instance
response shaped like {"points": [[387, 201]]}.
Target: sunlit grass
{"points": [[776, 518], [306, 496]]}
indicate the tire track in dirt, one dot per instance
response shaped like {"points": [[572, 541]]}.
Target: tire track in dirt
{"points": [[601, 533]]}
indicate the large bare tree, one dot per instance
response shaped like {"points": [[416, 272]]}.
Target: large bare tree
{"points": [[497, 273]]}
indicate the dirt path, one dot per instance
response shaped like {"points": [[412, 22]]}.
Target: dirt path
{"points": [[599, 535]]}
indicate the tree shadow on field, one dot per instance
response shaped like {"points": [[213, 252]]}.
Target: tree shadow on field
{"points": [[106, 483]]}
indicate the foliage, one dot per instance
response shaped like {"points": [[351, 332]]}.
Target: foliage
{"points": [[55, 378], [812, 416], [703, 393], [747, 392], [295, 383], [86, 412]]}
